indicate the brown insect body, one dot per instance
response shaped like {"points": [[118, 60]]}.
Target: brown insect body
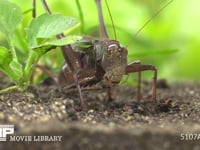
{"points": [[104, 60]]}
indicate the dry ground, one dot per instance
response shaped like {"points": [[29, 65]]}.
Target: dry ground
{"points": [[120, 124]]}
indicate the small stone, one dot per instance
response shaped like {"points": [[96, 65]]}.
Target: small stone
{"points": [[94, 122], [56, 103], [128, 118], [11, 118], [60, 116], [9, 104], [31, 95], [191, 92], [91, 111], [2, 116], [105, 113], [62, 107], [111, 124]]}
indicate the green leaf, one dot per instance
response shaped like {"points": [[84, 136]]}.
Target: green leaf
{"points": [[43, 48], [10, 16], [60, 42], [47, 26], [64, 41], [83, 44], [152, 52], [5, 62], [5, 56]]}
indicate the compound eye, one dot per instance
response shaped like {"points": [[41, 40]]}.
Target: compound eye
{"points": [[112, 48]]}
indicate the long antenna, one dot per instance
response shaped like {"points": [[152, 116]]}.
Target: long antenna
{"points": [[149, 20], [34, 9], [46, 6], [103, 31], [80, 15], [115, 35]]}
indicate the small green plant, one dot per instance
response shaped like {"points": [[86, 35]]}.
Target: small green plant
{"points": [[40, 38]]}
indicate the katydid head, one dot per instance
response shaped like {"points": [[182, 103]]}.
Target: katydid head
{"points": [[114, 55], [114, 60]]}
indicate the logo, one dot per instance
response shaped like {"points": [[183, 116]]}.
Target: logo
{"points": [[5, 130], [9, 129]]}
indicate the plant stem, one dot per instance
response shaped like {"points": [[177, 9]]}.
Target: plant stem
{"points": [[12, 48], [8, 89], [31, 62]]}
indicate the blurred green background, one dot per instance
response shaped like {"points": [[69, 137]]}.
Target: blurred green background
{"points": [[176, 27]]}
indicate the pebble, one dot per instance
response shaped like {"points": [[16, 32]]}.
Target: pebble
{"points": [[2, 116], [94, 122], [90, 111], [105, 113], [111, 124], [30, 95], [191, 92], [9, 104], [60, 116], [11, 118]]}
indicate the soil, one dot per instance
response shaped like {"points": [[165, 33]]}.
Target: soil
{"points": [[120, 124]]}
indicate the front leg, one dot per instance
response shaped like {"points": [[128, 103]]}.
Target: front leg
{"points": [[70, 57], [85, 77], [137, 67]]}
